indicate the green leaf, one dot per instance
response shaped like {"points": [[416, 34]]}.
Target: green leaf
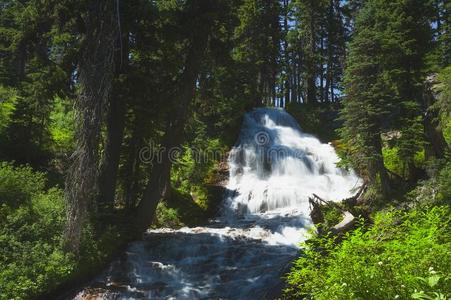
{"points": [[433, 280]]}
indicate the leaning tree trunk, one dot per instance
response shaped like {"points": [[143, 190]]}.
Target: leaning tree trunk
{"points": [[160, 177], [115, 130], [131, 166], [111, 154], [95, 76]]}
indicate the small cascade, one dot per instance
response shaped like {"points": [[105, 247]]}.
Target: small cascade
{"points": [[274, 168]]}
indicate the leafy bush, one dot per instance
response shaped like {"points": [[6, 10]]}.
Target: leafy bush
{"points": [[444, 184], [62, 126], [393, 160], [31, 226], [182, 173], [167, 217], [196, 167], [436, 190], [332, 216], [403, 255], [7, 100], [19, 185]]}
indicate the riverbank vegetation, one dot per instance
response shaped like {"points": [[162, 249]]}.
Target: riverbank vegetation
{"points": [[395, 134], [403, 253], [94, 94]]}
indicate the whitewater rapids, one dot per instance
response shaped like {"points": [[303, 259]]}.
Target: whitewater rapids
{"points": [[274, 168]]}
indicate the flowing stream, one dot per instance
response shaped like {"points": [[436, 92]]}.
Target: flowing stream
{"points": [[242, 254]]}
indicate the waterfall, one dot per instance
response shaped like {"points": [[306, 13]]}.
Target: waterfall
{"points": [[274, 168]]}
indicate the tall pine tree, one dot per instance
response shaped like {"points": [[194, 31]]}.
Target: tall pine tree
{"points": [[383, 84]]}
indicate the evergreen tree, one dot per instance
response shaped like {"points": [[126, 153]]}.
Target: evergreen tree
{"points": [[383, 83], [95, 79], [311, 15], [441, 19], [319, 41], [335, 51], [32, 63], [257, 47]]}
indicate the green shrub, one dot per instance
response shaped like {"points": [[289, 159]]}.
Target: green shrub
{"points": [[434, 191], [166, 217], [31, 226], [393, 160], [19, 185], [332, 216], [444, 184], [182, 173], [7, 101], [447, 132], [384, 262], [196, 167], [62, 126], [420, 159]]}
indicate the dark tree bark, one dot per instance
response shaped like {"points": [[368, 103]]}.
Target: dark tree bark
{"points": [[131, 168], [376, 167], [160, 175], [287, 87], [95, 77], [112, 151], [20, 61], [115, 130], [436, 143], [330, 62], [310, 63]]}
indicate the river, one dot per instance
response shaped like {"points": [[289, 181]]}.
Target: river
{"points": [[242, 254]]}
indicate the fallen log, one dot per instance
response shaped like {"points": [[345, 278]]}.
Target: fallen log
{"points": [[316, 213], [320, 200], [348, 221], [354, 200], [345, 225]]}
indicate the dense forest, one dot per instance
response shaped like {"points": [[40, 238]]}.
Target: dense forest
{"points": [[91, 91]]}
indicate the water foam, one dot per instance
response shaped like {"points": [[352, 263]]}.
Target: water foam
{"points": [[274, 168]]}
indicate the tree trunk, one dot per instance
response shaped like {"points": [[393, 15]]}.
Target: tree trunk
{"points": [[160, 176], [436, 144], [376, 170], [20, 61], [310, 63], [294, 84], [131, 168], [287, 87], [95, 77], [330, 42], [111, 155], [115, 132]]}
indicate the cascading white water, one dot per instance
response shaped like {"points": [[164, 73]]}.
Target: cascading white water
{"points": [[274, 168]]}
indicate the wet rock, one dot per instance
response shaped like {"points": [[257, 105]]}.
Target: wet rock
{"points": [[91, 294]]}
